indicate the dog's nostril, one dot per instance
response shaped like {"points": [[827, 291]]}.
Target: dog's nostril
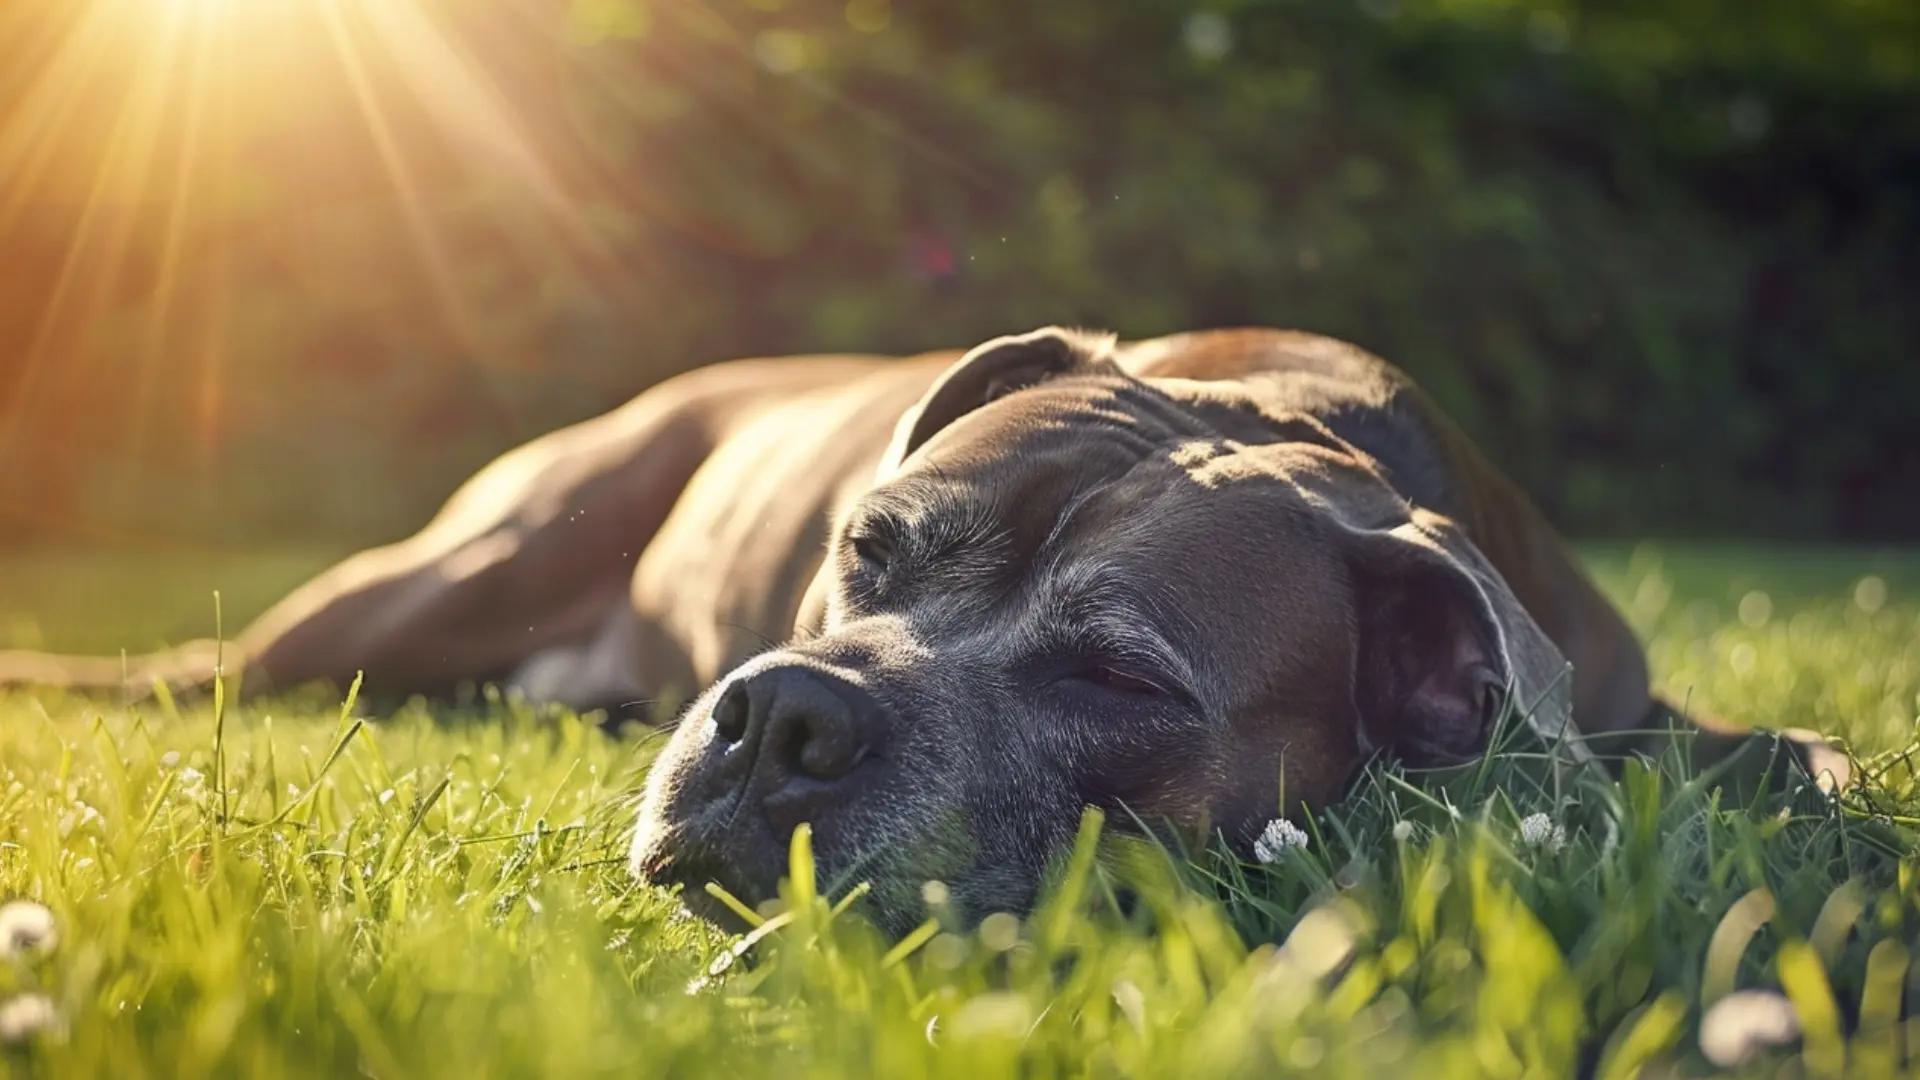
{"points": [[802, 724], [829, 746], [731, 712]]}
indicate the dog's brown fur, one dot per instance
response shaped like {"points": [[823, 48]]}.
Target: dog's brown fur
{"points": [[682, 530]]}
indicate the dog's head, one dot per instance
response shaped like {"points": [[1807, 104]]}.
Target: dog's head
{"points": [[1071, 586]]}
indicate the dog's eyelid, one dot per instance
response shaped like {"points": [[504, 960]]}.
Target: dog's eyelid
{"points": [[872, 546], [1126, 677], [876, 535], [1085, 651], [1132, 679]]}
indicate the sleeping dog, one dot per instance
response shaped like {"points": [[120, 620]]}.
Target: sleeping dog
{"points": [[1179, 576]]}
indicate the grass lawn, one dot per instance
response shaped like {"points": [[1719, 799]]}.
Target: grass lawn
{"points": [[282, 888]]}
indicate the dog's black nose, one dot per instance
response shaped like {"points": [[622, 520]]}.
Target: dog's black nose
{"points": [[795, 729]]}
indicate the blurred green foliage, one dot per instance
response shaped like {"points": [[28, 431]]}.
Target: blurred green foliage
{"points": [[1659, 256]]}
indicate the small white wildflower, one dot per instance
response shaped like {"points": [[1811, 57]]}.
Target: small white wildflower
{"points": [[1739, 1026], [1403, 831], [1279, 835], [1541, 831], [170, 759], [79, 816], [191, 781], [26, 1016], [25, 928]]}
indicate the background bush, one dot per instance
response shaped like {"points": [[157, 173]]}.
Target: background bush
{"points": [[1660, 256]]}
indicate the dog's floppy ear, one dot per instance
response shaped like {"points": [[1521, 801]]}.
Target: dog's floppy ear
{"points": [[1432, 670], [994, 370]]}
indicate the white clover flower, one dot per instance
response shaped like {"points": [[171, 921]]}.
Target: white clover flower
{"points": [[1279, 835], [23, 1017], [1739, 1026], [1403, 831], [26, 928], [192, 781], [1541, 831]]}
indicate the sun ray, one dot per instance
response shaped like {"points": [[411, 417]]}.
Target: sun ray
{"points": [[128, 150], [159, 333], [457, 317], [39, 116], [150, 150], [470, 106], [211, 346]]}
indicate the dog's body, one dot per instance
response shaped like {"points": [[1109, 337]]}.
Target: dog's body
{"points": [[1326, 565], [644, 553]]}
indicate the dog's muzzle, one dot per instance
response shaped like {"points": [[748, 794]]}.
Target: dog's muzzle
{"points": [[789, 744]]}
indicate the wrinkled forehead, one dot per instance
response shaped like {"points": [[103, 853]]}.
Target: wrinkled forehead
{"points": [[1013, 465], [1099, 441], [1086, 482], [1118, 420]]}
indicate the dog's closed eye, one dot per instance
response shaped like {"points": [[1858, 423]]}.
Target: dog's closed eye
{"points": [[1116, 680], [873, 549], [1103, 677]]}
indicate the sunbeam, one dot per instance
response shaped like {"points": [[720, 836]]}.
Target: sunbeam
{"points": [[443, 217], [143, 137]]}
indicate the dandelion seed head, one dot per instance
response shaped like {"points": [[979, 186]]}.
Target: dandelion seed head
{"points": [[26, 928], [25, 1016]]}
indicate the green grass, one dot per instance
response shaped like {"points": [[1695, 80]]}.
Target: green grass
{"points": [[281, 889]]}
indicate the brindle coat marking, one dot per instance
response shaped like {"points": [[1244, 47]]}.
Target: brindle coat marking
{"points": [[1175, 575]]}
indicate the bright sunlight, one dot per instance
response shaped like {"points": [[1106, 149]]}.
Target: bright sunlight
{"points": [[141, 122]]}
